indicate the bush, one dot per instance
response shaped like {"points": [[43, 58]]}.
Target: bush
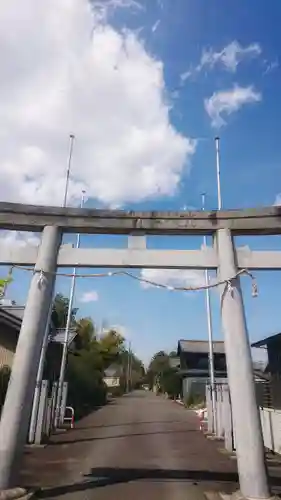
{"points": [[86, 387], [193, 399]]}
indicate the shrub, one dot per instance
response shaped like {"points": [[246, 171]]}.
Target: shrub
{"points": [[86, 387]]}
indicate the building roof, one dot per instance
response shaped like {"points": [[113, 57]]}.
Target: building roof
{"points": [[13, 315], [200, 346], [8, 318], [113, 371], [267, 340], [14, 310], [59, 334]]}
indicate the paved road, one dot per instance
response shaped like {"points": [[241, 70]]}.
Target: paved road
{"points": [[140, 446]]}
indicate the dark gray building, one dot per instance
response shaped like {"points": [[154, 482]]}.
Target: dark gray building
{"points": [[194, 366], [269, 387]]}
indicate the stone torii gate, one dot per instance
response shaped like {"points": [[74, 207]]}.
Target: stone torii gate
{"points": [[223, 257]]}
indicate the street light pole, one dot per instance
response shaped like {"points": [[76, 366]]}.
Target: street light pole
{"points": [[33, 421], [128, 368], [72, 137], [67, 328], [217, 143], [210, 335]]}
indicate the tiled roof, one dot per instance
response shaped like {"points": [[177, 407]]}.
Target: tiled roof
{"points": [[201, 346], [113, 371], [267, 340]]}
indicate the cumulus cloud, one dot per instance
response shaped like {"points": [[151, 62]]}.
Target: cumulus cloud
{"points": [[226, 102], [65, 70], [19, 238], [229, 58], [173, 277], [91, 296]]}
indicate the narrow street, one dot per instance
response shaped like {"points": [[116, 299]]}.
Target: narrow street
{"points": [[139, 445]]}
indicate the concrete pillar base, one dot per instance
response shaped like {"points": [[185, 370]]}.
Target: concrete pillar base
{"points": [[15, 493], [237, 495]]}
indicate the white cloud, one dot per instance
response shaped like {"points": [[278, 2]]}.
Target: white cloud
{"points": [[155, 26], [226, 102], [229, 58], [91, 296], [187, 74], [277, 202], [173, 277], [270, 66], [19, 238], [66, 70]]}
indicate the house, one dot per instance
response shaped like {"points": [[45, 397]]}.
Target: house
{"points": [[10, 325], [194, 366], [269, 372]]}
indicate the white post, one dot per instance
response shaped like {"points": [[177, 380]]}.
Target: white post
{"points": [[18, 403], [210, 338], [128, 368], [247, 427], [217, 142], [37, 392], [72, 137], [66, 335]]}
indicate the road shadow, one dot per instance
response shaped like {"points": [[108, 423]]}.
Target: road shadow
{"points": [[118, 436], [101, 477], [121, 424]]}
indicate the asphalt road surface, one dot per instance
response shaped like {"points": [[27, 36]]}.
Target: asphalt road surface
{"points": [[139, 447]]}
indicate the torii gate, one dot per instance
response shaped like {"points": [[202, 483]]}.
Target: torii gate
{"points": [[223, 257]]}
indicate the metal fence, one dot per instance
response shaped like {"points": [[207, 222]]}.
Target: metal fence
{"points": [[221, 423]]}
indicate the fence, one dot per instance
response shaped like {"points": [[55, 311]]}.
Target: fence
{"points": [[44, 423], [221, 423]]}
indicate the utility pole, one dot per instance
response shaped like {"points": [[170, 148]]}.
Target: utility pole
{"points": [[210, 336], [66, 336]]}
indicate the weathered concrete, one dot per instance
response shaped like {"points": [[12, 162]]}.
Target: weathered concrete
{"points": [[113, 257], [73, 220], [249, 441], [18, 403], [140, 258]]}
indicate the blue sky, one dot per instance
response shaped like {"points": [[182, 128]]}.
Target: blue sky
{"points": [[217, 67]]}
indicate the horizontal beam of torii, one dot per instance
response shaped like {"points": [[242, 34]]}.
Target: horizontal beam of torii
{"points": [[69, 257], [262, 221]]}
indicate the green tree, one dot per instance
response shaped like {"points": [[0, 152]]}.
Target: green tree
{"points": [[162, 375], [86, 333], [112, 346], [60, 311]]}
